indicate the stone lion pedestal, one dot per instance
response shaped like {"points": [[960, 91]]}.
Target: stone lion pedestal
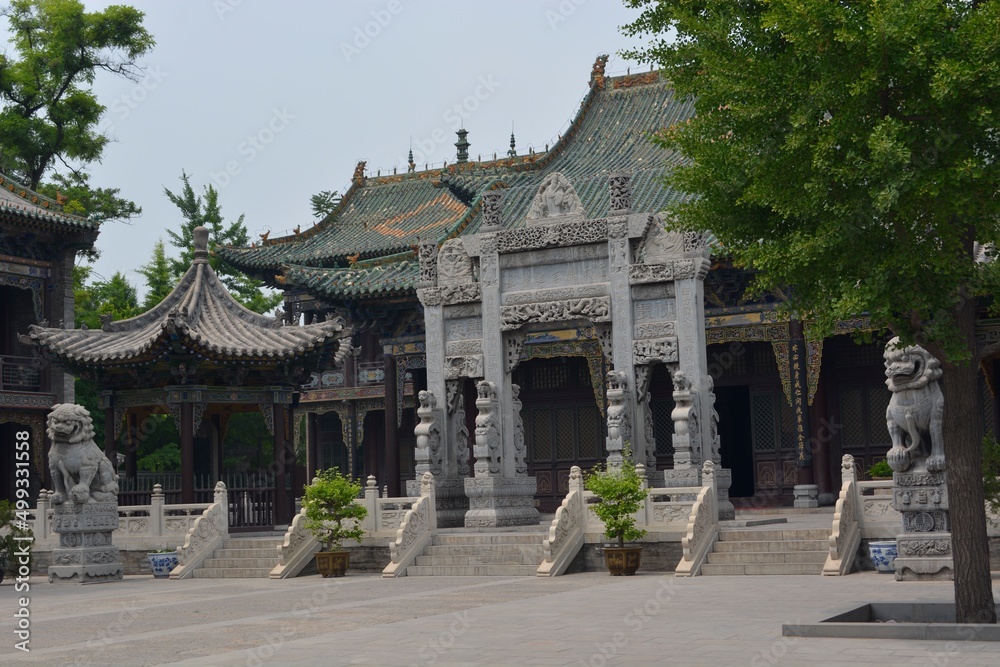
{"points": [[85, 500]]}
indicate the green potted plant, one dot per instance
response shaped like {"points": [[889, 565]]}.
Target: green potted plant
{"points": [[880, 470], [620, 493], [332, 516]]}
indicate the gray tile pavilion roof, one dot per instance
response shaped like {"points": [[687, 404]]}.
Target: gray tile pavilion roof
{"points": [[198, 316], [31, 208], [380, 220]]}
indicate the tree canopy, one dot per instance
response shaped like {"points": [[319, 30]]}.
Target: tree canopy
{"points": [[850, 151], [198, 211], [49, 111]]}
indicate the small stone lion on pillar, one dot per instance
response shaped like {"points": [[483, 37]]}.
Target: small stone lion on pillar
{"points": [[80, 470], [916, 410]]}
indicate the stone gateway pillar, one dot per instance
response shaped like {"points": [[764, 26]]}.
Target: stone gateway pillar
{"points": [[85, 500]]}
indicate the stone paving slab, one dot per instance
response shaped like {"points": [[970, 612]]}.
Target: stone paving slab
{"points": [[585, 619]]}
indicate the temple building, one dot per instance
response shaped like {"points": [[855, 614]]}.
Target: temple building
{"points": [[201, 357], [38, 246], [405, 259]]}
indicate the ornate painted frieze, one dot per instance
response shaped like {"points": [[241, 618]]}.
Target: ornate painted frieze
{"points": [[596, 309], [21, 400], [747, 334], [663, 350], [547, 236], [36, 285]]}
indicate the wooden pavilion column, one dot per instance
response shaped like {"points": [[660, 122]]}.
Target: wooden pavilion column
{"points": [[282, 463], [132, 449], [391, 427], [110, 446], [798, 356], [312, 445], [187, 453]]}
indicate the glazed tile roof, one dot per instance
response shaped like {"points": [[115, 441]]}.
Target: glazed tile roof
{"points": [[198, 316], [390, 214], [29, 206]]}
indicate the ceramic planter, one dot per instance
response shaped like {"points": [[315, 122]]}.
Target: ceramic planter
{"points": [[332, 563], [622, 560], [883, 555], [160, 564]]}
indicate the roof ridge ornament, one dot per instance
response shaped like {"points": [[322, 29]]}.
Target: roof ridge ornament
{"points": [[200, 235], [556, 198]]}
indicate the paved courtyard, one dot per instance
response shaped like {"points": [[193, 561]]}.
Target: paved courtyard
{"points": [[580, 619]]}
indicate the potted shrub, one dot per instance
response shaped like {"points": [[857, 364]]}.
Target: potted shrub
{"points": [[10, 531], [332, 516], [620, 494], [161, 562]]}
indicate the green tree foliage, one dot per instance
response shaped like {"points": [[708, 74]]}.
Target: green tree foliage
{"points": [[851, 150], [164, 459], [324, 202], [207, 212], [49, 112], [159, 279], [97, 204]]}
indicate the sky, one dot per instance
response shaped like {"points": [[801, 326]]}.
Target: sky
{"points": [[272, 102]]}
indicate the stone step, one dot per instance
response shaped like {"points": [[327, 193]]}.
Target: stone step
{"points": [[761, 568], [252, 543], [243, 563], [732, 546], [471, 570], [489, 538], [246, 553], [477, 549], [486, 558], [748, 557], [233, 573], [769, 535]]}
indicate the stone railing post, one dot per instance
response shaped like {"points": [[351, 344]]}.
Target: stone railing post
{"points": [[565, 536], [41, 528], [845, 534], [156, 504], [372, 520]]}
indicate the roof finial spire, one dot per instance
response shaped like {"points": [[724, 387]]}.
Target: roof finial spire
{"points": [[410, 164], [200, 235], [513, 148], [462, 145]]}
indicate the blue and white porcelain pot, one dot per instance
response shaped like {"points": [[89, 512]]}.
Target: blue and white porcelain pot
{"points": [[883, 555], [160, 564]]}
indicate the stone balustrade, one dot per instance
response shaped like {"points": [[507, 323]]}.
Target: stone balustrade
{"points": [[702, 526]]}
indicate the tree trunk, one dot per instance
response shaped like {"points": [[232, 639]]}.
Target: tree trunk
{"points": [[963, 435]]}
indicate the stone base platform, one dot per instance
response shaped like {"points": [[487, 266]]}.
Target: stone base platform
{"points": [[501, 501], [692, 477], [85, 554], [924, 557], [451, 502]]}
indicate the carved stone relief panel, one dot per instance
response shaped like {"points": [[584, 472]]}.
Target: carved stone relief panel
{"points": [[546, 236], [466, 310], [655, 350], [427, 254], [655, 330], [654, 310], [450, 294], [469, 366], [454, 266], [460, 347], [556, 197], [556, 294], [568, 274], [467, 328], [596, 309]]}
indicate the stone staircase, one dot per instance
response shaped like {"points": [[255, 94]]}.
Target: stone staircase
{"points": [[755, 551], [499, 552], [241, 558]]}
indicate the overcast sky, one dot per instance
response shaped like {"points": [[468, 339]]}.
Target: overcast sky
{"points": [[275, 101]]}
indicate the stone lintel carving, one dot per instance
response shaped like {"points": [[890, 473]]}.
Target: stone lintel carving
{"points": [[427, 456], [655, 350], [466, 366], [678, 269], [595, 309], [620, 187], [427, 254], [916, 409], [619, 427], [487, 450], [553, 234], [454, 266], [556, 198], [450, 294], [520, 449], [513, 344], [655, 330], [685, 418]]}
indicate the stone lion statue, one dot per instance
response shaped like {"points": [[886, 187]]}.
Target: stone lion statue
{"points": [[80, 470], [916, 409]]}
